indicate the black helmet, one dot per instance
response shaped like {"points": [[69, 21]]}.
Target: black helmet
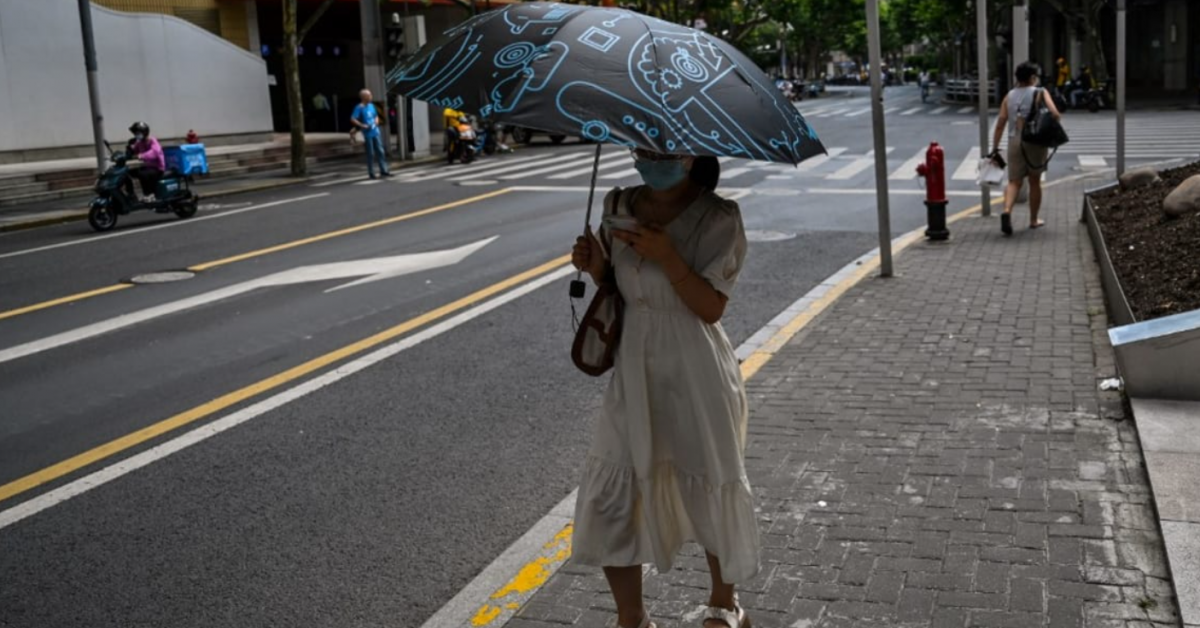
{"points": [[140, 128]]}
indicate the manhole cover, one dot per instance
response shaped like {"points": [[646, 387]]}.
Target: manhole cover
{"points": [[768, 236], [166, 276]]}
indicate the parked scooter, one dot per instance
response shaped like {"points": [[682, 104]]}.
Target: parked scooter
{"points": [[173, 194], [462, 142]]}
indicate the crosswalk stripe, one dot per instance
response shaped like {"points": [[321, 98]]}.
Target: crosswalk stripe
{"points": [[966, 110], [450, 171], [813, 162], [623, 174], [591, 159], [588, 170], [735, 172], [908, 170], [858, 165], [494, 171], [939, 110], [836, 111], [969, 167], [1092, 161], [891, 110], [912, 111], [858, 112]]}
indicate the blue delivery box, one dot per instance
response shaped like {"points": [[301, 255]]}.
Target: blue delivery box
{"points": [[188, 159]]}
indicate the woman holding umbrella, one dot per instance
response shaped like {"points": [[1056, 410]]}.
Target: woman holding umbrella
{"points": [[666, 465]]}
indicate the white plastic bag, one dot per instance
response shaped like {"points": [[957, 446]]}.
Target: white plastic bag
{"points": [[989, 173]]}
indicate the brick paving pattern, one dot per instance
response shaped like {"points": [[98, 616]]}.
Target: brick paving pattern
{"points": [[934, 451]]}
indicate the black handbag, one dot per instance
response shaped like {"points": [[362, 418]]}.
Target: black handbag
{"points": [[595, 346], [1041, 127]]}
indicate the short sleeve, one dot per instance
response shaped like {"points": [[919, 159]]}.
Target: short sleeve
{"points": [[721, 248]]}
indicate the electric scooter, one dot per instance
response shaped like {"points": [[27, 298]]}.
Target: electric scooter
{"points": [[173, 194]]}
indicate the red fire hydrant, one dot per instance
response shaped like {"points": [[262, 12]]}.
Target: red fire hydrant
{"points": [[934, 171]]}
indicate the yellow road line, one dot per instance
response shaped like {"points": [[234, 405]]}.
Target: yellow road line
{"points": [[258, 253], [536, 572], [341, 232], [134, 439], [67, 299]]}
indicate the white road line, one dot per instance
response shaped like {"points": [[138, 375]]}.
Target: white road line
{"points": [[891, 191], [339, 181], [966, 110], [855, 167], [891, 110], [183, 441], [589, 160], [587, 170], [912, 111], [166, 225], [620, 175], [369, 181], [451, 171], [908, 170], [939, 110], [489, 174], [1092, 161], [837, 111], [858, 112], [969, 167], [812, 163], [735, 172]]}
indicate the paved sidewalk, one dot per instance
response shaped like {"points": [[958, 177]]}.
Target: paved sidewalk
{"points": [[933, 451]]}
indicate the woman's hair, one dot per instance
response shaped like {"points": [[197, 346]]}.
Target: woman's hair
{"points": [[1027, 70], [706, 172]]}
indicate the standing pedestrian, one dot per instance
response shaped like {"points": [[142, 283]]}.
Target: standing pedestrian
{"points": [[366, 119], [1025, 161], [666, 464]]}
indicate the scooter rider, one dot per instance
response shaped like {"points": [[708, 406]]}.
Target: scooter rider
{"points": [[150, 153]]}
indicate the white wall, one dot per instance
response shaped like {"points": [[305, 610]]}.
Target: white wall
{"points": [[156, 68]]}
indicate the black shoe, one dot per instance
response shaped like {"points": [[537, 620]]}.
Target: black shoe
{"points": [[1006, 224], [387, 175], [372, 177]]}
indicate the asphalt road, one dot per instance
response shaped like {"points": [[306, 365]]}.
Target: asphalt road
{"points": [[373, 498]]}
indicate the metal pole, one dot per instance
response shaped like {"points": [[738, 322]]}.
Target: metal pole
{"points": [[402, 127], [881, 170], [89, 63], [1020, 43], [981, 36], [1121, 11]]}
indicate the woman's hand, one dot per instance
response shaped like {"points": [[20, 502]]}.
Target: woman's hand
{"points": [[588, 255], [650, 241]]}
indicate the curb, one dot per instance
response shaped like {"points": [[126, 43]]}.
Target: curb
{"points": [[258, 187]]}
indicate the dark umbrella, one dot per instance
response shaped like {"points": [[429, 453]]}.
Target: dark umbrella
{"points": [[609, 75]]}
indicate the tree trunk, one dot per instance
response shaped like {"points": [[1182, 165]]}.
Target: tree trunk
{"points": [[291, 77]]}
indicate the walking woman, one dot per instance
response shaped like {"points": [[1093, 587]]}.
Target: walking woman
{"points": [[1025, 161], [666, 464]]}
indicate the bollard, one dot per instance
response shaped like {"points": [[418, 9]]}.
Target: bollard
{"points": [[934, 171]]}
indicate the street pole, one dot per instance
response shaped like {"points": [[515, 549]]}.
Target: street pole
{"points": [[1020, 42], [1121, 11], [881, 171], [981, 32], [89, 63]]}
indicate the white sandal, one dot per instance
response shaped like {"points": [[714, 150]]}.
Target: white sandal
{"points": [[733, 619]]}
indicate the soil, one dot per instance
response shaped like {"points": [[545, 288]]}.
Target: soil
{"points": [[1156, 258]]}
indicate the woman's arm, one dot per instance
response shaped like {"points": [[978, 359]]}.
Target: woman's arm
{"points": [[1001, 122], [701, 298], [1050, 105]]}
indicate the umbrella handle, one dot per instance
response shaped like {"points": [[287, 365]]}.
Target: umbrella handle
{"points": [[578, 288]]}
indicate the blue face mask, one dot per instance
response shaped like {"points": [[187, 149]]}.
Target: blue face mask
{"points": [[661, 175]]}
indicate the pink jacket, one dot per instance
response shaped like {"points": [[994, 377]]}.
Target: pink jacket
{"points": [[151, 154]]}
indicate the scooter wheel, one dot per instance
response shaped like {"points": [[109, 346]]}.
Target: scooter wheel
{"points": [[102, 218], [1094, 106], [188, 208]]}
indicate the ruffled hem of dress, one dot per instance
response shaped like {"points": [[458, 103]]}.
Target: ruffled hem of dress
{"points": [[623, 520]]}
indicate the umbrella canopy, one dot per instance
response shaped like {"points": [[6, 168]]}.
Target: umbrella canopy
{"points": [[609, 75]]}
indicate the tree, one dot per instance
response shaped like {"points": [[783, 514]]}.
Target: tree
{"points": [[292, 38]]}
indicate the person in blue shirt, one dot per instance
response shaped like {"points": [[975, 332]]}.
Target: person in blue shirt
{"points": [[366, 119]]}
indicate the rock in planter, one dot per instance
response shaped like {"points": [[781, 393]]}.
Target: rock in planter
{"points": [[1139, 177], [1185, 199]]}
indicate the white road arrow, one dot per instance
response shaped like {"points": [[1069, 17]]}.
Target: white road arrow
{"points": [[369, 269]]}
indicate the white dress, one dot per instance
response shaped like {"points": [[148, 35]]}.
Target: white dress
{"points": [[666, 464]]}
